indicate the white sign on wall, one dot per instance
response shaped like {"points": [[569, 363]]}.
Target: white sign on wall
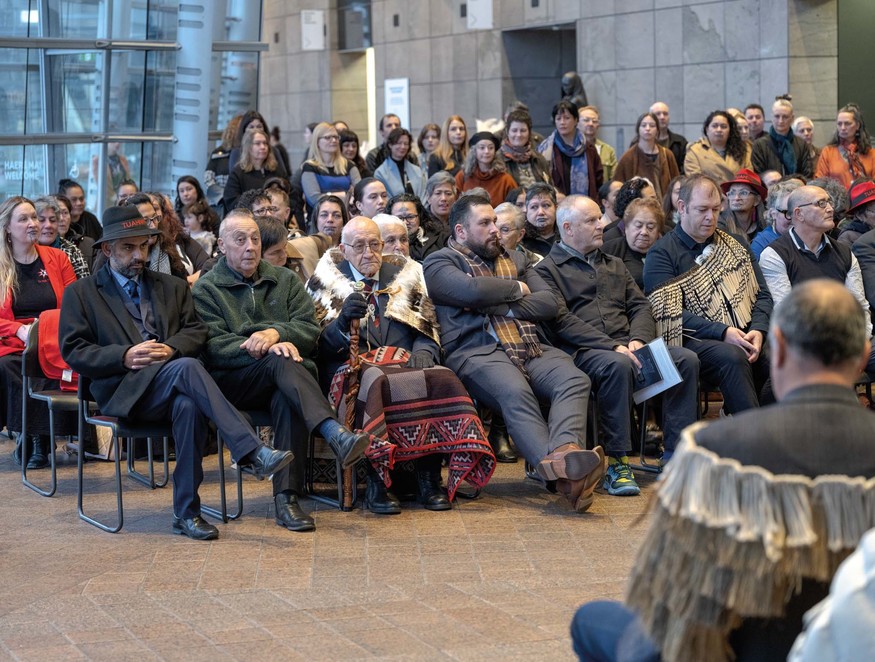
{"points": [[479, 14], [312, 30], [397, 97]]}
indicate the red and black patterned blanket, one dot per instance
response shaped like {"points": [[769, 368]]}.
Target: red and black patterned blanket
{"points": [[409, 413]]}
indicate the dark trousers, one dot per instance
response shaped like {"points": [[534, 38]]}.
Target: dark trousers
{"points": [[553, 380], [608, 632], [297, 407], [726, 366], [613, 379], [183, 391]]}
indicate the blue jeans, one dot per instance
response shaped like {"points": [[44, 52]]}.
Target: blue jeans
{"points": [[606, 631]]}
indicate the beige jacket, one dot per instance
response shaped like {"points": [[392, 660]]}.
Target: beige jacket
{"points": [[702, 158]]}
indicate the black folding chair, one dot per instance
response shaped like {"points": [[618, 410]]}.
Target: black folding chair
{"points": [[120, 429], [55, 400], [257, 419]]}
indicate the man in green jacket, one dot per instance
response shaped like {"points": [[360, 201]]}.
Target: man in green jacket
{"points": [[262, 333]]}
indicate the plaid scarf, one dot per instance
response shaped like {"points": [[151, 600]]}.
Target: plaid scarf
{"points": [[722, 287], [850, 153], [517, 337]]}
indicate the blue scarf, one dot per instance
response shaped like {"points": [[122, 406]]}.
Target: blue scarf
{"points": [[785, 150], [579, 168]]}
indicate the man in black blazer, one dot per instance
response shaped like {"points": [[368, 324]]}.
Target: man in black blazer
{"points": [[135, 334], [812, 454], [487, 302], [608, 319]]}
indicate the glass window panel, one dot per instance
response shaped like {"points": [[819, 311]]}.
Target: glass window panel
{"points": [[71, 19], [242, 22], [13, 90], [70, 93], [163, 19], [236, 75], [155, 170], [126, 91], [17, 17], [160, 91]]}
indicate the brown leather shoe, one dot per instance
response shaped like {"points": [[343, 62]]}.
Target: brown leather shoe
{"points": [[570, 462], [580, 492]]}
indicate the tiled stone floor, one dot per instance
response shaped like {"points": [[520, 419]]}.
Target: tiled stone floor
{"points": [[495, 578]]}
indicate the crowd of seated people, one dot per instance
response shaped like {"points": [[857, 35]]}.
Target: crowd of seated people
{"points": [[532, 271]]}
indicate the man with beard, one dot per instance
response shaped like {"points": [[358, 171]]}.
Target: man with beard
{"points": [[135, 334], [487, 302]]}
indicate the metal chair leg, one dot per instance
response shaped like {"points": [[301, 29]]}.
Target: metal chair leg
{"points": [[222, 511], [118, 486], [53, 483], [643, 464], [148, 480]]}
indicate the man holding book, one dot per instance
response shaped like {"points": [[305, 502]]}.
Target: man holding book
{"points": [[606, 321]]}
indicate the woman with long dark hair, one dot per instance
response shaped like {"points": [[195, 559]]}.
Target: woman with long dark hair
{"points": [[721, 152], [397, 172], [647, 158], [849, 155]]}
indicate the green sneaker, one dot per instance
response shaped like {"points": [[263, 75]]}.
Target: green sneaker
{"points": [[619, 480]]}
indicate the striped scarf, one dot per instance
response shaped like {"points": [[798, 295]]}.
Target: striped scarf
{"points": [[517, 337], [722, 287]]}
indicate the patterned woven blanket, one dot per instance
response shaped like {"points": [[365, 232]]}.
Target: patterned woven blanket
{"points": [[410, 413]]}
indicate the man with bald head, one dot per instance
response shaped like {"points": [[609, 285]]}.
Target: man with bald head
{"points": [[399, 331], [608, 318], [262, 337], [673, 142]]}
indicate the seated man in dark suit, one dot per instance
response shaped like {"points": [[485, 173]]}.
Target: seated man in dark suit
{"points": [[405, 397], [756, 510], [608, 319], [135, 334], [262, 335], [488, 301]]}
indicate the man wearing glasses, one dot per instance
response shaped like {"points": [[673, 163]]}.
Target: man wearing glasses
{"points": [[398, 330], [806, 252]]}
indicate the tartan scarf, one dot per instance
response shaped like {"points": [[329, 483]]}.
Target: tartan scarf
{"points": [[722, 287], [517, 337]]}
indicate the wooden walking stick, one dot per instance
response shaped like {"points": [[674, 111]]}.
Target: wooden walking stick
{"points": [[352, 390]]}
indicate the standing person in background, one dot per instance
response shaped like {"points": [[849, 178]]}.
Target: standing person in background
{"points": [[756, 120], [647, 158], [351, 150], [397, 172], [721, 152], [804, 128], [849, 155], [485, 169], [257, 164], [216, 174], [588, 123], [673, 142], [81, 220], [575, 166], [117, 170], [428, 141], [453, 148], [252, 119], [523, 164], [376, 156], [780, 149], [326, 170]]}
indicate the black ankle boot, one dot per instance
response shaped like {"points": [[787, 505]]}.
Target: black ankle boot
{"points": [[499, 440], [378, 499], [16, 452], [432, 495], [290, 514], [39, 452]]}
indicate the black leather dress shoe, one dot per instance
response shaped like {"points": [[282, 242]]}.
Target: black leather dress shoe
{"points": [[432, 494], [196, 528], [379, 500], [500, 442], [39, 453], [265, 462], [348, 446], [290, 514]]}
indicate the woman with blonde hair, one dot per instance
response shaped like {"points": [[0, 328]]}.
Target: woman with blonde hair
{"points": [[32, 281], [452, 149], [257, 164], [326, 170]]}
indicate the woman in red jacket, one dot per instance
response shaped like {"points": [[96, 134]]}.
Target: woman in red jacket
{"points": [[32, 280]]}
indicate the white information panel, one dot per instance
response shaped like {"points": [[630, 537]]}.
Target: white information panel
{"points": [[397, 93], [312, 30]]}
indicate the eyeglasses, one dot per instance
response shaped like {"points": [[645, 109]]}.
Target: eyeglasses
{"points": [[408, 218], [360, 247], [330, 138], [743, 193], [822, 203], [152, 220], [268, 210]]}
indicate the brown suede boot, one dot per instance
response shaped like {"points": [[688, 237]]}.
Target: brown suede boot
{"points": [[569, 461]]}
